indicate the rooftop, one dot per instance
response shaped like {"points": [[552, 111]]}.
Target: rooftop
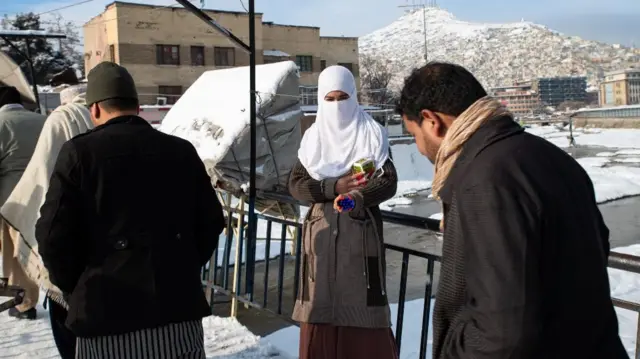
{"points": [[17, 34], [174, 6], [623, 107], [271, 23], [622, 71]]}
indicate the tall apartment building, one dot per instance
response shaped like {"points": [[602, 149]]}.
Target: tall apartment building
{"points": [[167, 48], [555, 90], [620, 87], [520, 99]]}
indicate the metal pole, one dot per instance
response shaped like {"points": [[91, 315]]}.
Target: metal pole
{"points": [[252, 171], [424, 25], [33, 74]]}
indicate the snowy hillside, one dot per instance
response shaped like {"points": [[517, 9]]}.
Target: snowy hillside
{"points": [[498, 54]]}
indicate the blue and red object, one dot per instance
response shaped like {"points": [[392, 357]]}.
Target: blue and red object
{"points": [[346, 203]]}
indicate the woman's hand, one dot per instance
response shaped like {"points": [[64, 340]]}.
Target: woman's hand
{"points": [[350, 182]]}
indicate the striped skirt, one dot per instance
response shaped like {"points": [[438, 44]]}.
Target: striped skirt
{"points": [[174, 341]]}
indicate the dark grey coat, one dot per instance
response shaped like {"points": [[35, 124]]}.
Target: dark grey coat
{"points": [[19, 132], [524, 267]]}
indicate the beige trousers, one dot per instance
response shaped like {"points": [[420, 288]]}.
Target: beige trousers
{"points": [[12, 269]]}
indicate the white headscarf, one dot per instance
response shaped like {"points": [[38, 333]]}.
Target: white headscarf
{"points": [[69, 94], [342, 133]]}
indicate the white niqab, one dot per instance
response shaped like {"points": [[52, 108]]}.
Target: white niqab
{"points": [[342, 133]]}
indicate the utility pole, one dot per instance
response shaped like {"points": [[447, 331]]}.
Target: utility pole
{"points": [[423, 6]]}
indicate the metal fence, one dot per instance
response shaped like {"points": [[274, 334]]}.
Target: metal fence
{"points": [[226, 281]]}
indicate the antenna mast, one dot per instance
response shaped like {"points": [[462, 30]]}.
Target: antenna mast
{"points": [[425, 4]]}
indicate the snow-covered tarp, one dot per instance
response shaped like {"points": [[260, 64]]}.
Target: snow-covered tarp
{"points": [[213, 114], [11, 75]]}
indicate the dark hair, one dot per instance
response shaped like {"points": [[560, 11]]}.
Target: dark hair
{"points": [[439, 87], [9, 95], [119, 104]]}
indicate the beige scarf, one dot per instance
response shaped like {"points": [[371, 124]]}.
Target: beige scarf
{"points": [[457, 135]]}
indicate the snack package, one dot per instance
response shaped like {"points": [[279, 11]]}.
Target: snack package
{"points": [[365, 166]]}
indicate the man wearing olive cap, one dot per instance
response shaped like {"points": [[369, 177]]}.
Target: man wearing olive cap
{"points": [[129, 219]]}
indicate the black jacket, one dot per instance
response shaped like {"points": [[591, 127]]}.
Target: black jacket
{"points": [[524, 267], [129, 219]]}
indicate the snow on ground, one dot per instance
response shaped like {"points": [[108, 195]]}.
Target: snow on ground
{"points": [[604, 137], [612, 181], [624, 285], [609, 171], [225, 338], [415, 173]]}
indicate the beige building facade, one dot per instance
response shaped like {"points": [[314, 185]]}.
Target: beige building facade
{"points": [[620, 88], [167, 48]]}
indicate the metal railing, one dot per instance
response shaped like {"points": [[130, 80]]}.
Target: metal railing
{"points": [[218, 280]]}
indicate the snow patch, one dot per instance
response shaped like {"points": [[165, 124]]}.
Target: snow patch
{"points": [[224, 338], [497, 54]]}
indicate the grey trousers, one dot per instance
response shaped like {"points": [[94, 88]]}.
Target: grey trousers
{"points": [[174, 341]]}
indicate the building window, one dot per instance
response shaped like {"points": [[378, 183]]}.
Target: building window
{"points": [[172, 93], [305, 63], [197, 55], [224, 56], [308, 95], [323, 64], [112, 53], [168, 54], [348, 65]]}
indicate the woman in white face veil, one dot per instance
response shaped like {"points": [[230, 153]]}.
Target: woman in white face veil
{"points": [[342, 303]]}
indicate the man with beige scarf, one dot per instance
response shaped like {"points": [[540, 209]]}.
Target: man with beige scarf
{"points": [[524, 258]]}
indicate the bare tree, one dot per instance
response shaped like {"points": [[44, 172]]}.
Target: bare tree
{"points": [[375, 76], [70, 46], [5, 23]]}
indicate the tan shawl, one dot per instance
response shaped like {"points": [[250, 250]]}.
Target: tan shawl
{"points": [[22, 208], [457, 135]]}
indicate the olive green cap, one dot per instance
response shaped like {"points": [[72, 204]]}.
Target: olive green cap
{"points": [[109, 80]]}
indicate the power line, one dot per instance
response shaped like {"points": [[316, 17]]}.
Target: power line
{"points": [[59, 8], [244, 7], [65, 7]]}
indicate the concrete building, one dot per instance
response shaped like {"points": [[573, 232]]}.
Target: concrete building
{"points": [[553, 91], [520, 99], [626, 116], [167, 48], [620, 88]]}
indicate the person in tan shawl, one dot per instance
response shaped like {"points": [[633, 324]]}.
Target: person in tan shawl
{"points": [[524, 254], [22, 208]]}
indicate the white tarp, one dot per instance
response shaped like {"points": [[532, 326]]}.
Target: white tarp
{"points": [[11, 75], [213, 114]]}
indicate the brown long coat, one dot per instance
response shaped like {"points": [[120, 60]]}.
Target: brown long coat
{"points": [[342, 280]]}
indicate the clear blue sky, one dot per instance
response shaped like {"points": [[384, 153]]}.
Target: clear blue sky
{"points": [[610, 20]]}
